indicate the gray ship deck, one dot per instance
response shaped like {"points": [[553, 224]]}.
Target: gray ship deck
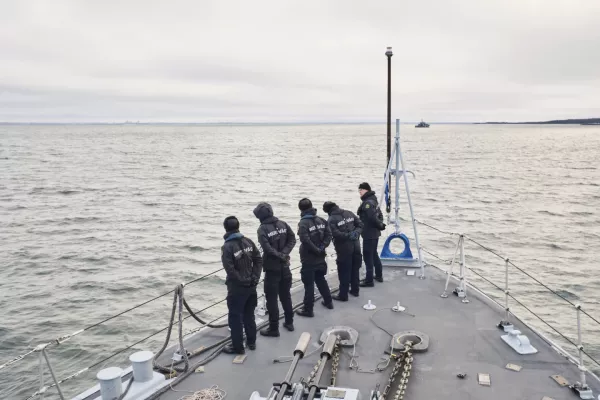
{"points": [[463, 339]]}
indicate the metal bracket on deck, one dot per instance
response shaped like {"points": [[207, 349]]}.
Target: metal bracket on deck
{"points": [[583, 391], [519, 343], [506, 326]]}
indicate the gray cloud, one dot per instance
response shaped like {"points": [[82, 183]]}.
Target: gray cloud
{"points": [[462, 60]]}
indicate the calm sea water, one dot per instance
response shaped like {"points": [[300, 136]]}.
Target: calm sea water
{"points": [[94, 219]]}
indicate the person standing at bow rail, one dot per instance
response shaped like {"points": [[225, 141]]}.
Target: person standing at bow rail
{"points": [[277, 241], [372, 219], [315, 236], [243, 264], [345, 229]]}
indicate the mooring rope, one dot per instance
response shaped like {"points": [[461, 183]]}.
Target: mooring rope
{"points": [[177, 306]]}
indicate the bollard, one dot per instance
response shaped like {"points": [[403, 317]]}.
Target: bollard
{"points": [[111, 386], [141, 362]]}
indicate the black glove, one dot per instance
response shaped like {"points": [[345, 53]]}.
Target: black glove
{"points": [[254, 282], [353, 235], [322, 250], [382, 227]]}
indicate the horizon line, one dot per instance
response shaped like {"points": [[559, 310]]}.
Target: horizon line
{"points": [[219, 123]]}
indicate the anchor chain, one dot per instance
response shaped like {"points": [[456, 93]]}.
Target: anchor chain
{"points": [[335, 363], [408, 359], [403, 363], [395, 370], [311, 376]]}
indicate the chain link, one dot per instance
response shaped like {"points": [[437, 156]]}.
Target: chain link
{"points": [[311, 376], [395, 369], [408, 359], [403, 363], [335, 363]]}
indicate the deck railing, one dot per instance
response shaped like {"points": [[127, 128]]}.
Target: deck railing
{"points": [[509, 265], [463, 283]]}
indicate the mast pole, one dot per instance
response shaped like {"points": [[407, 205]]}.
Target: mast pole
{"points": [[389, 55]]}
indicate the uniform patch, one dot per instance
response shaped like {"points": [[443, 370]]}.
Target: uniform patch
{"points": [[368, 206]]}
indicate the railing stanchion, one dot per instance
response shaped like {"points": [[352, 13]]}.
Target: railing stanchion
{"points": [[506, 289], [449, 272], [579, 342], [505, 324], [585, 392], [463, 273], [60, 393]]}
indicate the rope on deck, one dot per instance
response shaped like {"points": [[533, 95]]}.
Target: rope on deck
{"points": [[211, 393]]}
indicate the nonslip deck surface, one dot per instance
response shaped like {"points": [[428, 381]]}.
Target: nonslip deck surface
{"points": [[463, 339]]}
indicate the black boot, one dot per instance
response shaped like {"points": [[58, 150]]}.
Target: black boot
{"points": [[252, 346], [289, 326], [355, 294], [270, 332], [366, 284], [328, 305], [305, 313], [230, 350], [339, 298], [379, 278]]}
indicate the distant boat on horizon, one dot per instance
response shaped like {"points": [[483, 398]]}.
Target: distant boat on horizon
{"points": [[422, 125]]}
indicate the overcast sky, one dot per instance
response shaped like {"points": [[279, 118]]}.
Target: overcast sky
{"points": [[207, 61]]}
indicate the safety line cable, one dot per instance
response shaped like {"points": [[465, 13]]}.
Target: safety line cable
{"points": [[535, 315], [490, 250]]}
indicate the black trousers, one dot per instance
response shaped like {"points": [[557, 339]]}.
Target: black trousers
{"points": [[241, 304], [349, 262], [279, 283], [372, 260], [312, 274]]}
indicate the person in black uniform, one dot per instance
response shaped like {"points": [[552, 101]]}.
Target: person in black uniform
{"points": [[315, 236], [243, 264], [372, 219], [345, 229], [277, 241]]}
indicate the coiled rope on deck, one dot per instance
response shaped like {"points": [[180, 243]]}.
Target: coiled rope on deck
{"points": [[212, 393]]}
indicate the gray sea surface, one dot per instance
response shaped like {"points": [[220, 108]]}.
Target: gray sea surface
{"points": [[97, 218]]}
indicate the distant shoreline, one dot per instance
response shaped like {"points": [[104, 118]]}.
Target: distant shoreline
{"points": [[584, 121]]}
